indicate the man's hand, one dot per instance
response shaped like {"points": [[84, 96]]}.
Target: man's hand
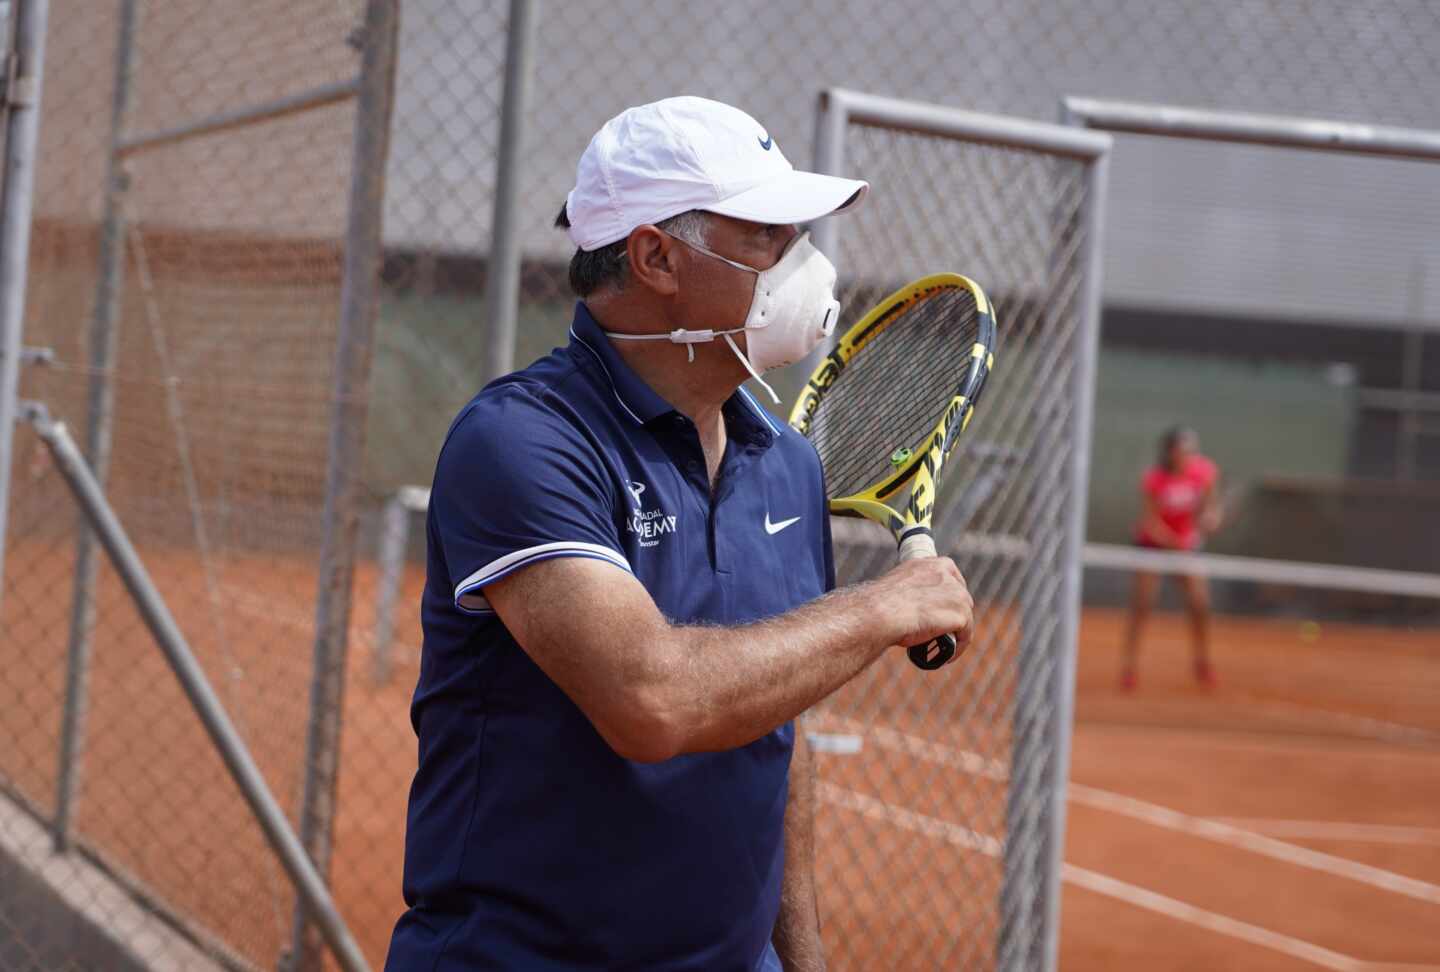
{"points": [[928, 597], [655, 690]]}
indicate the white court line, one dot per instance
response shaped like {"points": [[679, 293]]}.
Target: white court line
{"points": [[1209, 920], [1337, 830], [1361, 725], [1132, 894], [1255, 843], [1177, 821], [875, 809], [931, 752]]}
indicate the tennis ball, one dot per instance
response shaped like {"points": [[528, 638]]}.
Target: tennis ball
{"points": [[1309, 631]]}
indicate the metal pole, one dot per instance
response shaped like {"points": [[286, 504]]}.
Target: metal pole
{"points": [[104, 335], [1412, 357], [326, 94], [828, 156], [223, 734], [1003, 131], [17, 198], [354, 341], [831, 117], [1290, 573], [502, 272], [1235, 126], [1092, 223], [393, 541], [1022, 902]]}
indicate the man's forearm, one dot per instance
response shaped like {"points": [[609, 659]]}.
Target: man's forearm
{"points": [[655, 690], [733, 685], [797, 927]]}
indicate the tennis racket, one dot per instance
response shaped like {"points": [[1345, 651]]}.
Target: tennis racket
{"points": [[886, 406]]}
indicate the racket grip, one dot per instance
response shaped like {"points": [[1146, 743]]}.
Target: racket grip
{"points": [[937, 651]]}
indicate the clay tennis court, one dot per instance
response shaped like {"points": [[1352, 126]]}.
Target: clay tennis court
{"points": [[1286, 820]]}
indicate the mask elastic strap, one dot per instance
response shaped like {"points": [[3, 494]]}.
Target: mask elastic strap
{"points": [[677, 336], [749, 367], [692, 338]]}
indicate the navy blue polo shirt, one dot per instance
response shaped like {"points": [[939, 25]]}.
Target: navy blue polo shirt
{"points": [[530, 844]]}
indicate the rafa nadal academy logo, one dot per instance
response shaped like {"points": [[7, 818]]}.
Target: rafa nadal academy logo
{"points": [[649, 526]]}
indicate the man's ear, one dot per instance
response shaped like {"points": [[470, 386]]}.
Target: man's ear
{"points": [[653, 256]]}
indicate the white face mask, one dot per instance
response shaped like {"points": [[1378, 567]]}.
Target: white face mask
{"points": [[792, 311]]}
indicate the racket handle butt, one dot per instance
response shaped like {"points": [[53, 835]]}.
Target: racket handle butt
{"points": [[934, 653]]}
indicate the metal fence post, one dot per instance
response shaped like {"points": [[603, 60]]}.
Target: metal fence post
{"points": [[394, 534], [17, 198], [502, 273], [104, 336], [354, 342], [1092, 228], [829, 156]]}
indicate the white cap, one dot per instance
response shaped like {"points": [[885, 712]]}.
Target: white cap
{"points": [[666, 158]]}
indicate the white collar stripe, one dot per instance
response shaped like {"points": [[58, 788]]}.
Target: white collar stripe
{"points": [[608, 377], [765, 416]]}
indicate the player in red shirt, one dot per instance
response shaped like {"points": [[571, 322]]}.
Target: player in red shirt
{"points": [[1181, 497]]}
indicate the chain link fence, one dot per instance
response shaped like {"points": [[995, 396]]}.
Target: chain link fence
{"points": [[941, 789], [225, 260], [186, 275]]}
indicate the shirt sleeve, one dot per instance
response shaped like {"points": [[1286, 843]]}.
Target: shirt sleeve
{"points": [[1205, 471], [1150, 481], [516, 484]]}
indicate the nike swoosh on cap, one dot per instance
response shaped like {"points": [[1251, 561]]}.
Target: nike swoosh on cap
{"points": [[774, 528], [765, 142]]}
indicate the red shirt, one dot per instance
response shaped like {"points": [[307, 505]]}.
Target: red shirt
{"points": [[1179, 498]]}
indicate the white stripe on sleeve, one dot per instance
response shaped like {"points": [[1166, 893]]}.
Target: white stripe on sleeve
{"points": [[468, 597]]}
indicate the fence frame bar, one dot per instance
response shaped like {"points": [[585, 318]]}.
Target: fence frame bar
{"points": [[1037, 683], [390, 557], [17, 200], [1002, 131], [1258, 570], [344, 475], [103, 339], [832, 114], [502, 268], [318, 97], [152, 608], [1092, 219], [394, 543], [1281, 131]]}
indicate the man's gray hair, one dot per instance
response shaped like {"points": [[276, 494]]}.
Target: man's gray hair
{"points": [[604, 267]]}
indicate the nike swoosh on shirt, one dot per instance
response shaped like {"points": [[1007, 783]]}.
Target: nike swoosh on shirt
{"points": [[774, 528]]}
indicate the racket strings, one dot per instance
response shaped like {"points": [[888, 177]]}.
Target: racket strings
{"points": [[894, 390]]}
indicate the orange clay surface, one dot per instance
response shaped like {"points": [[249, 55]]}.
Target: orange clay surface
{"points": [[1318, 758]]}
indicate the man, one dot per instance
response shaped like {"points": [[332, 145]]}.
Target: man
{"points": [[623, 610]]}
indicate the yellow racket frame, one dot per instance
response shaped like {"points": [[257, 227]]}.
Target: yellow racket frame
{"points": [[922, 470]]}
